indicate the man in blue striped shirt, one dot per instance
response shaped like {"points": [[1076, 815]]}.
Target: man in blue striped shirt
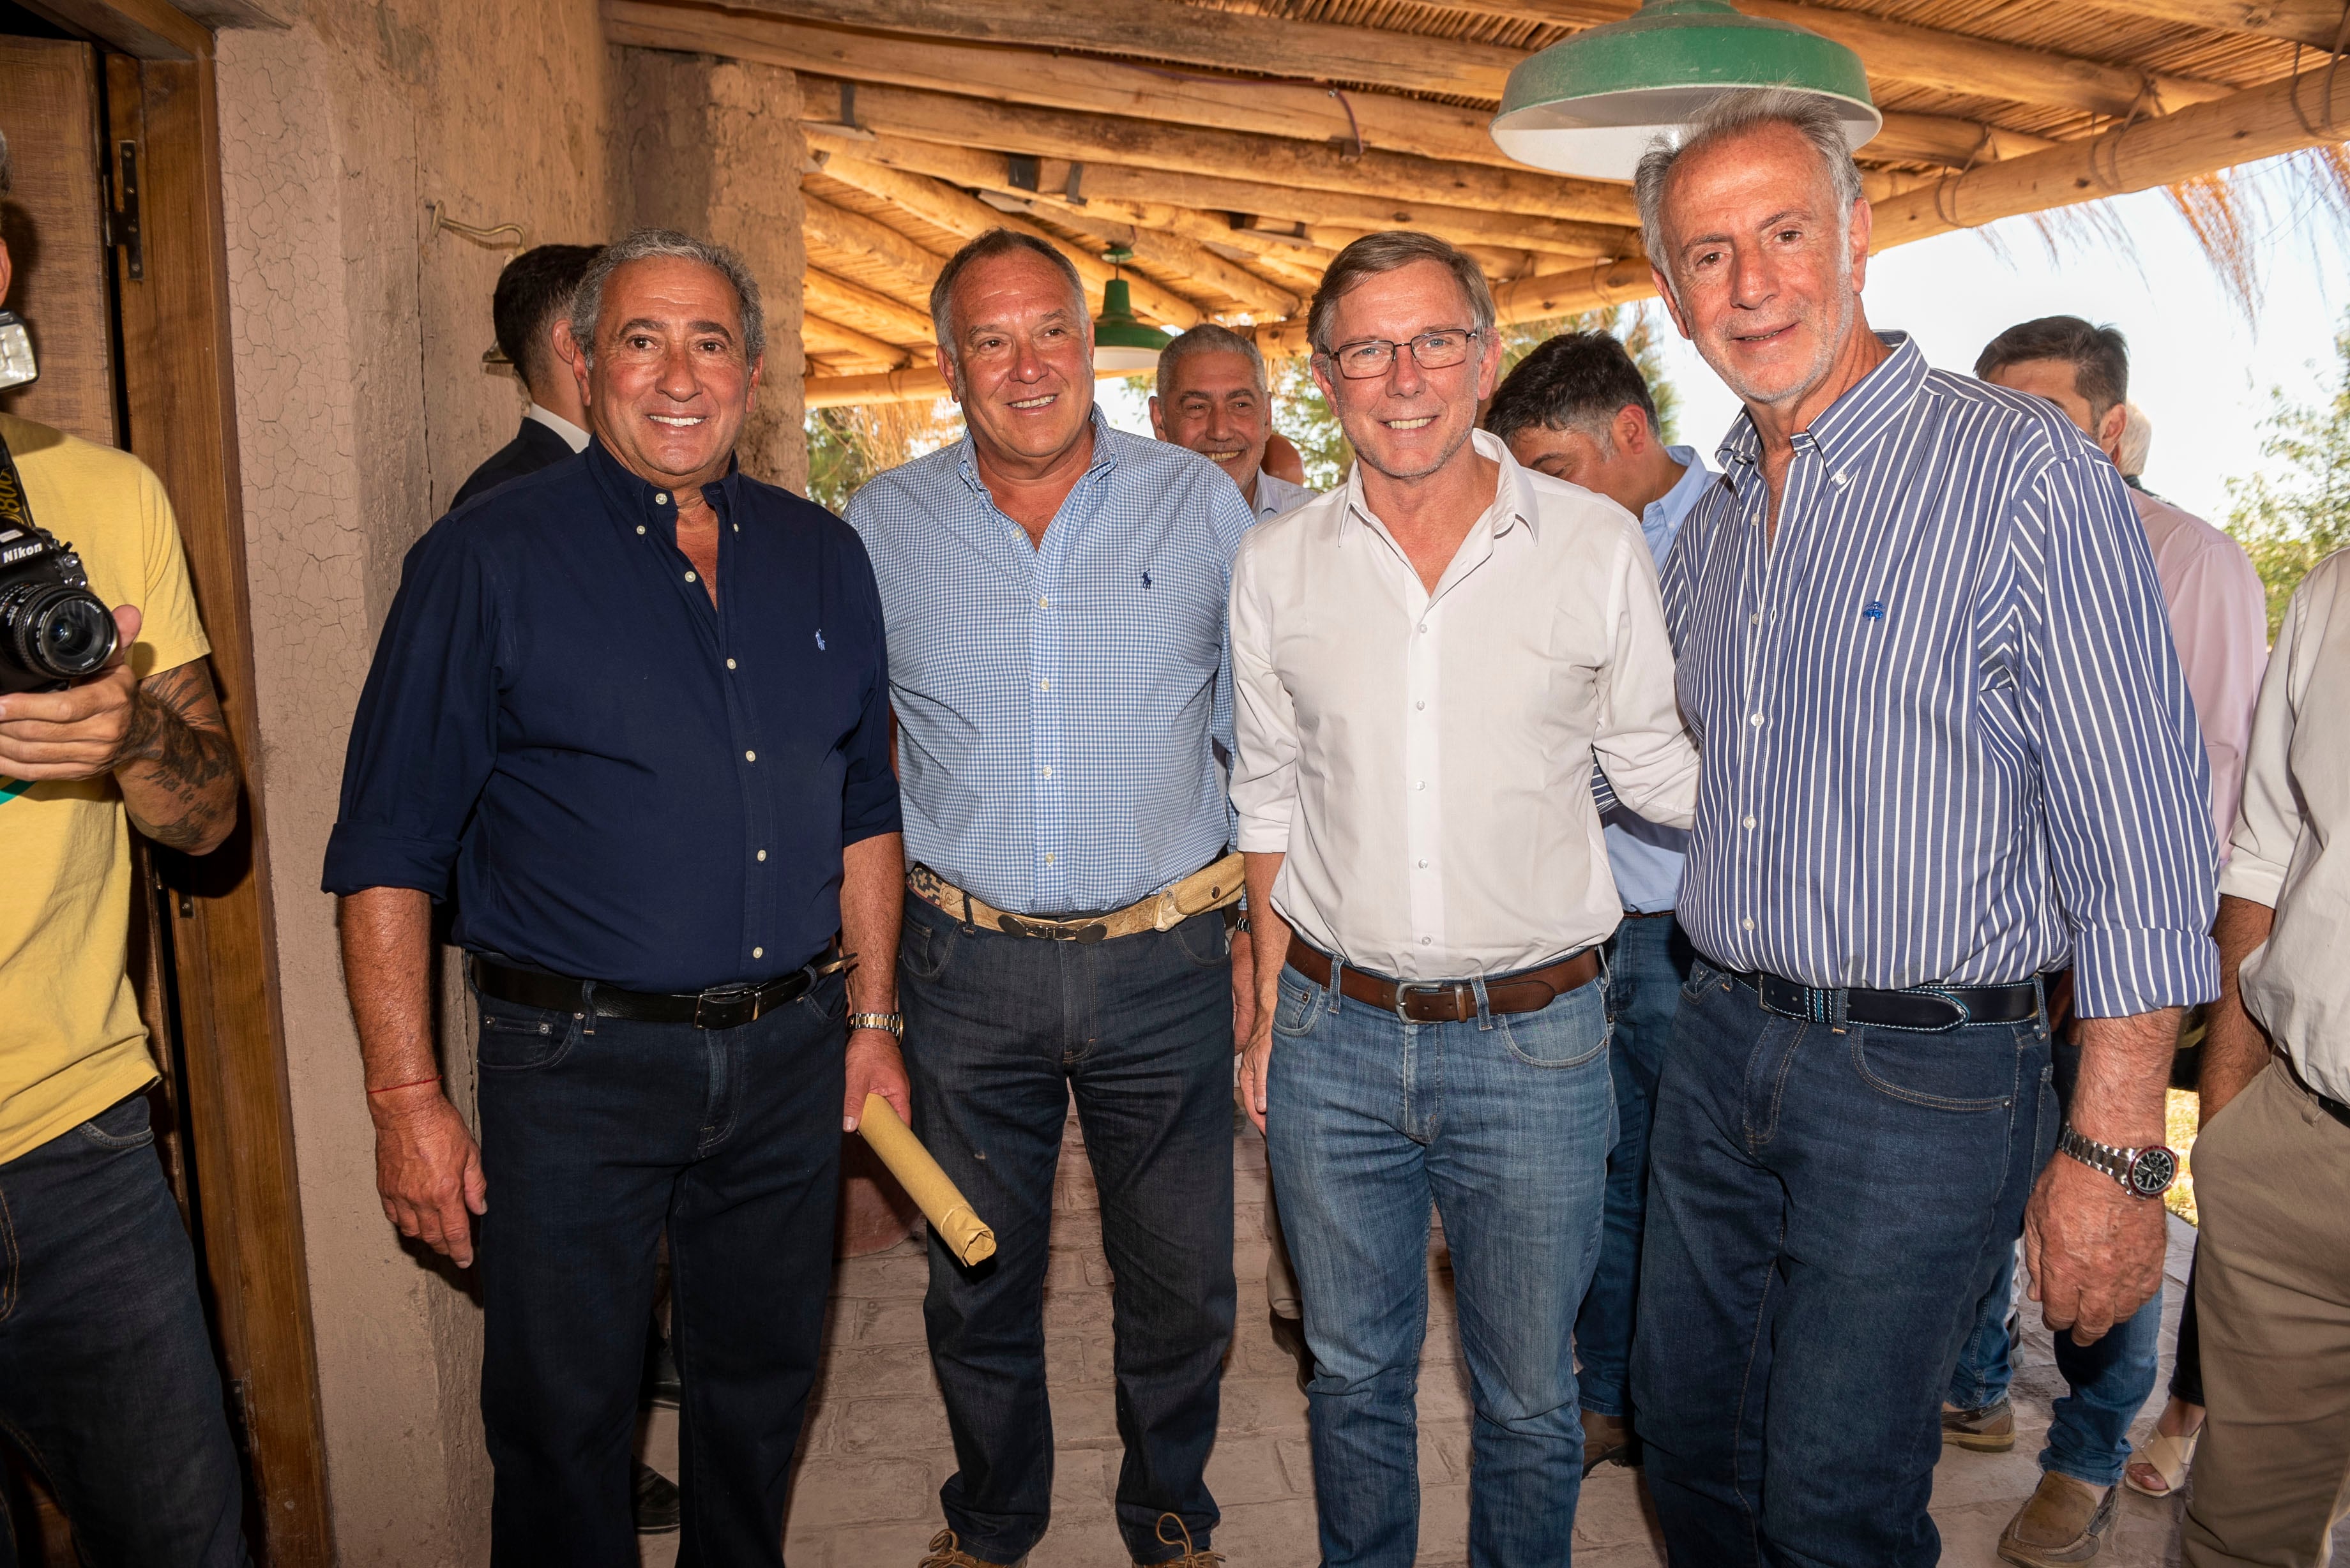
{"points": [[1948, 749], [1054, 594]]}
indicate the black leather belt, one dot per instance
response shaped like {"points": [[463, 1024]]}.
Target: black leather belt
{"points": [[721, 1007], [1928, 1009], [2326, 1103]]}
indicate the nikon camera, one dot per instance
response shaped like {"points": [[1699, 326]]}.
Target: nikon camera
{"points": [[53, 629]]}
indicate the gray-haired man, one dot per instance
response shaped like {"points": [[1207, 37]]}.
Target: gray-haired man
{"points": [[634, 707], [1212, 398]]}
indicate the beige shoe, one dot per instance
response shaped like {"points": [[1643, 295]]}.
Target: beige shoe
{"points": [[2066, 1522], [2167, 1457], [1193, 1556], [946, 1553], [1989, 1429]]}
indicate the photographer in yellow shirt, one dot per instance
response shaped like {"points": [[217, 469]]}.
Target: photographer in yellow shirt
{"points": [[107, 1377]]}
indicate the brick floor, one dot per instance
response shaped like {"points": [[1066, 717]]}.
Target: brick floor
{"points": [[876, 1450]]}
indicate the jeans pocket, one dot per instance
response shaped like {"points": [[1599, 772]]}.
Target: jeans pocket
{"points": [[1966, 1070], [1572, 1031], [1300, 1009], [924, 943], [517, 1039], [1702, 974], [125, 1124], [1202, 939]]}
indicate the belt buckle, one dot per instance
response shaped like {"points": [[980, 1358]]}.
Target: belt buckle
{"points": [[725, 996], [1403, 997]]}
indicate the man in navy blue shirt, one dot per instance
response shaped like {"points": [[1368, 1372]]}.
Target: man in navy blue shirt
{"points": [[636, 710]]}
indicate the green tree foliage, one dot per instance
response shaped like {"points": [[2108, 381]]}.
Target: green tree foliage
{"points": [[2295, 515], [848, 446], [1300, 412]]}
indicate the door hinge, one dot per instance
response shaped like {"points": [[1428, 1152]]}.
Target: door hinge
{"points": [[123, 218]]}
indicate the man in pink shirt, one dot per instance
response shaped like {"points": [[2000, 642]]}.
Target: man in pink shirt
{"points": [[2219, 621]]}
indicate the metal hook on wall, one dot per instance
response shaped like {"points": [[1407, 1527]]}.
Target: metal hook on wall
{"points": [[439, 213]]}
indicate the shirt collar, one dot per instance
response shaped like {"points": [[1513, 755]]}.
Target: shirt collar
{"points": [[1668, 510], [641, 498], [1849, 426], [573, 436], [1509, 508]]}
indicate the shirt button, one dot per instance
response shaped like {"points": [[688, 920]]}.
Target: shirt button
{"points": [[1422, 785], [689, 576], [1754, 619], [640, 527], [1748, 922], [1428, 942], [1749, 822], [1419, 705], [1044, 604], [1840, 477], [758, 952], [1048, 770], [750, 756], [1046, 685], [1423, 865], [1754, 719], [660, 498], [763, 855], [730, 664], [1423, 628], [1048, 857]]}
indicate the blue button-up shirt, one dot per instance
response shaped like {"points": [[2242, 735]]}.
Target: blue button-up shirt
{"points": [[1646, 857], [1056, 706], [626, 783], [1945, 734]]}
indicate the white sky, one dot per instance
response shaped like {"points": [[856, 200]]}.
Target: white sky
{"points": [[2197, 367]]}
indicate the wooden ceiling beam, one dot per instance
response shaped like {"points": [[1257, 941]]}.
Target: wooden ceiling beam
{"points": [[1092, 139], [1184, 257], [965, 163], [837, 297], [918, 384], [935, 202], [1098, 85], [1409, 62], [874, 240], [2313, 22], [820, 336]]}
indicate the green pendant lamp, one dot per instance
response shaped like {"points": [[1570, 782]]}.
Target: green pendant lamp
{"points": [[1591, 103], [1122, 344]]}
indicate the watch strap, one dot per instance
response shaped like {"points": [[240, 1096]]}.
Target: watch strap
{"points": [[2140, 1172], [890, 1023]]}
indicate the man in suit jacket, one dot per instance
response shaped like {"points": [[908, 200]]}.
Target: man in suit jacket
{"points": [[533, 293]]}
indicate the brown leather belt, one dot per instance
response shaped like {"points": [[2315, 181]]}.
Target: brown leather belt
{"points": [[1449, 1000]]}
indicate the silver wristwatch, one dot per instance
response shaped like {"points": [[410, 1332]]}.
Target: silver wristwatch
{"points": [[2141, 1172], [890, 1024]]}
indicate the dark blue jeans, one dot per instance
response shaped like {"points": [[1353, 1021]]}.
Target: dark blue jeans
{"points": [[2107, 1383], [106, 1380], [1648, 960], [594, 1140], [1826, 1208], [1503, 1123], [1000, 1032]]}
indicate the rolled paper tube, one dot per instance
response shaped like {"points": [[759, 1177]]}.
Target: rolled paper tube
{"points": [[941, 1202]]}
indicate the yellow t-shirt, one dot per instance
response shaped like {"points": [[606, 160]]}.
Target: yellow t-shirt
{"points": [[71, 1040]]}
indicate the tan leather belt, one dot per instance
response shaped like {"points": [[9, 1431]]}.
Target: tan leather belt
{"points": [[1449, 1000], [1212, 888]]}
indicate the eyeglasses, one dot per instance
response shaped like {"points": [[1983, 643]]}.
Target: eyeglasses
{"points": [[1437, 350]]}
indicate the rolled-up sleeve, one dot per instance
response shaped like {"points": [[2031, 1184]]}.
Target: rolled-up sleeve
{"points": [[2123, 774], [1264, 718], [424, 739], [869, 803], [1648, 761]]}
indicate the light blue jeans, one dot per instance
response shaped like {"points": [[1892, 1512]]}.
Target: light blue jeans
{"points": [[1503, 1123]]}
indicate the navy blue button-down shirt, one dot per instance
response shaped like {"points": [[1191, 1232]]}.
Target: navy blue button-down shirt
{"points": [[1945, 733], [1056, 706], [626, 783]]}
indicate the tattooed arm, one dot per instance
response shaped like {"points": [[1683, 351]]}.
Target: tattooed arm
{"points": [[162, 738]]}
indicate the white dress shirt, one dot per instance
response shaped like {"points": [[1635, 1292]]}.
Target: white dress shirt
{"points": [[2292, 835], [1424, 761], [573, 436]]}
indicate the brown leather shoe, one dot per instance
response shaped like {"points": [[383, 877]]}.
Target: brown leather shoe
{"points": [[945, 1552], [1987, 1429], [1605, 1438], [1190, 1557], [2066, 1522]]}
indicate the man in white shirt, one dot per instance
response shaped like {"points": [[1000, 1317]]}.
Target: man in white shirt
{"points": [[2273, 1164], [1212, 398], [1427, 663]]}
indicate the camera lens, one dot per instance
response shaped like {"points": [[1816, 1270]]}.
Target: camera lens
{"points": [[72, 635]]}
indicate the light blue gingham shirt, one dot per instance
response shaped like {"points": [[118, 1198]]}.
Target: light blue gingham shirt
{"points": [[1944, 736], [1646, 857], [1057, 707]]}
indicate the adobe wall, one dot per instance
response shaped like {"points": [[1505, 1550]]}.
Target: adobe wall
{"points": [[362, 403]]}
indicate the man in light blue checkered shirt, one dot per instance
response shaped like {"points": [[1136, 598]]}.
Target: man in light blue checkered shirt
{"points": [[1054, 594]]}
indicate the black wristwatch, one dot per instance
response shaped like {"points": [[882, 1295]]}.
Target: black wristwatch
{"points": [[2142, 1172]]}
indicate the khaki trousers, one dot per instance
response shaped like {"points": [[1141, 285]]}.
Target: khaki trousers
{"points": [[2272, 1290]]}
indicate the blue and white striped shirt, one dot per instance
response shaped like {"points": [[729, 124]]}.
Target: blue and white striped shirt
{"points": [[1056, 706], [1944, 736]]}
